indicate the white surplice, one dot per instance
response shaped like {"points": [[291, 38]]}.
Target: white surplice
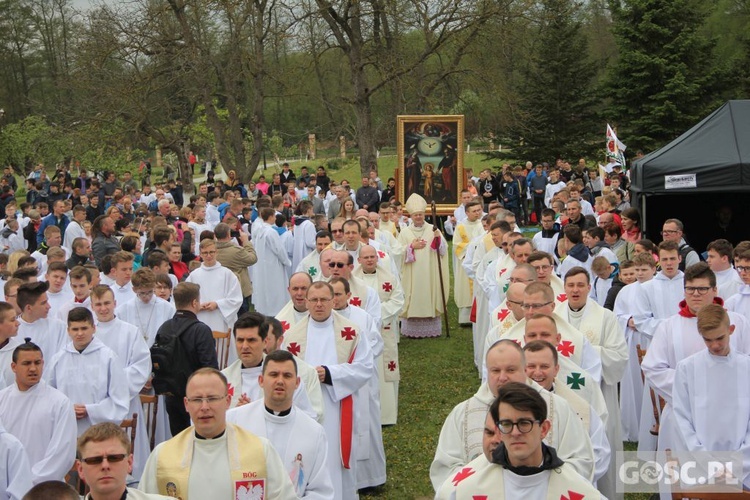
{"points": [[15, 471], [300, 442], [244, 381], [677, 338], [62, 313], [146, 317], [371, 452], [128, 343], [310, 265], [658, 299], [631, 386], [73, 231], [460, 439], [348, 379], [711, 403], [58, 300], [269, 275], [42, 418], [740, 301], [50, 334], [123, 293], [304, 241], [95, 378]]}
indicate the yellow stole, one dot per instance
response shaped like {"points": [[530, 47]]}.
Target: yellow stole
{"points": [[346, 335], [247, 462]]}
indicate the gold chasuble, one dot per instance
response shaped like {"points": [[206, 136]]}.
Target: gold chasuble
{"points": [[247, 463]]}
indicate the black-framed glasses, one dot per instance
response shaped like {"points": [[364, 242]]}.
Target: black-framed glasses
{"points": [[700, 290], [740, 269], [109, 458], [524, 425], [340, 265]]}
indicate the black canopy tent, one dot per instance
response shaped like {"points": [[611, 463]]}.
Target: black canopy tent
{"points": [[698, 175]]}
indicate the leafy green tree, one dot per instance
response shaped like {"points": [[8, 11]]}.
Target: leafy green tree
{"points": [[557, 98], [665, 79]]}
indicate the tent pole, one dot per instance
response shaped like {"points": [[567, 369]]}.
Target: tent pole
{"points": [[643, 214]]}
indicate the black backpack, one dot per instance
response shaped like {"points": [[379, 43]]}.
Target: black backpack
{"points": [[171, 363], [684, 250]]}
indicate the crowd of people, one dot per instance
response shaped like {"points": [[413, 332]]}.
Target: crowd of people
{"points": [[265, 319]]}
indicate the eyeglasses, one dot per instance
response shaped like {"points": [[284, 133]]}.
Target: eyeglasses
{"points": [[208, 399], [740, 269], [319, 301], [514, 302], [534, 306], [340, 265], [669, 231], [700, 290], [109, 458], [145, 293], [334, 231], [524, 425]]}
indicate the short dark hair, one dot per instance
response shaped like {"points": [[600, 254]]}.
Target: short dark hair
{"points": [[79, 272], [669, 246], [29, 293], [540, 345], [575, 271], [185, 293], [156, 259], [25, 274], [251, 319], [722, 247], [27, 346], [51, 490], [573, 234], [221, 231], [279, 356], [698, 271], [57, 266], [343, 281], [522, 398], [273, 326], [323, 234], [80, 314]]}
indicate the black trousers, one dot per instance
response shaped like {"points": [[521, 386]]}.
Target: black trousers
{"points": [[179, 419]]}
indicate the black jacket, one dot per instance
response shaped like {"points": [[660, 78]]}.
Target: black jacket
{"points": [[197, 338]]}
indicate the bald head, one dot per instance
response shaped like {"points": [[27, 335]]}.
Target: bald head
{"points": [[514, 299], [361, 213], [368, 258]]}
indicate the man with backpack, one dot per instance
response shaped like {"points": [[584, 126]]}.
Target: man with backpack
{"points": [[183, 345], [672, 230]]}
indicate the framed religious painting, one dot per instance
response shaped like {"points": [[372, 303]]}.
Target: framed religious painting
{"points": [[431, 159]]}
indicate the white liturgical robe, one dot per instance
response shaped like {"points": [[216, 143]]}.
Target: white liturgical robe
{"points": [[49, 334], [658, 299], [58, 300], [677, 338], [711, 403], [269, 276], [126, 341], [300, 442], [42, 418], [740, 302], [7, 377], [460, 438], [244, 381], [147, 317], [15, 473], [347, 379], [631, 386], [304, 241], [95, 378]]}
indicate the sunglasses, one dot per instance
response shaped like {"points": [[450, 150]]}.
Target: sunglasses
{"points": [[340, 265], [110, 458]]}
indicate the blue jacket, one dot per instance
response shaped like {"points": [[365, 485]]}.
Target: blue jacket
{"points": [[50, 220]]}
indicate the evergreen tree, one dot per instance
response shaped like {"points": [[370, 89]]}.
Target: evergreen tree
{"points": [[665, 79], [557, 94]]}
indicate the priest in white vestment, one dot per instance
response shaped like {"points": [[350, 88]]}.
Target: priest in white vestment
{"points": [[39, 416], [304, 233], [299, 440], [461, 436], [711, 397], [296, 308], [269, 275], [127, 342], [677, 338], [362, 296], [600, 327], [371, 457], [48, 333], [740, 301], [420, 278], [250, 339], [523, 465], [391, 296], [311, 263], [465, 233], [213, 459], [342, 357], [90, 374]]}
